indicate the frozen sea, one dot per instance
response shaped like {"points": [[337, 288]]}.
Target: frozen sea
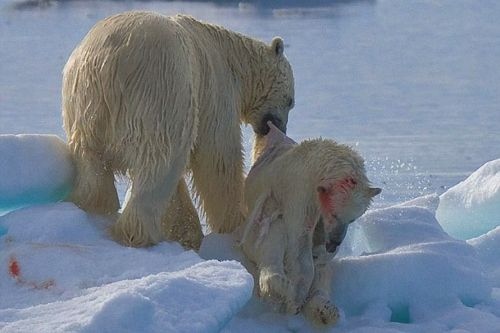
{"points": [[414, 86]]}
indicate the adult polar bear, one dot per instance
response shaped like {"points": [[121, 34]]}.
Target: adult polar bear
{"points": [[153, 97]]}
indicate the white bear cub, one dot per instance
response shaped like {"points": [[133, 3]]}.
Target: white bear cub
{"points": [[301, 198]]}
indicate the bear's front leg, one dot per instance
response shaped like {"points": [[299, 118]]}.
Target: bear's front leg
{"points": [[298, 259], [301, 267], [217, 168], [318, 308], [274, 285], [320, 311], [277, 288]]}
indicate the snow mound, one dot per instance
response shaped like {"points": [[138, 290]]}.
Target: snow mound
{"points": [[487, 247], [400, 261], [62, 274], [221, 247], [34, 168], [472, 207]]}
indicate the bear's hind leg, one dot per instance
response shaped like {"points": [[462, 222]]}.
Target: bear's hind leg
{"points": [[140, 223], [181, 222], [94, 189]]}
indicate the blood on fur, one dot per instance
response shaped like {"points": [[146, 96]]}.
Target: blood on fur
{"points": [[346, 184], [340, 189], [325, 200]]}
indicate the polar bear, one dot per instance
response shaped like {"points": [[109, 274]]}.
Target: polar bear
{"points": [[156, 98], [301, 198]]}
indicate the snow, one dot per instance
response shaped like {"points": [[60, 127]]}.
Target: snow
{"points": [[188, 300], [70, 277], [409, 266], [472, 207], [487, 247], [34, 169]]}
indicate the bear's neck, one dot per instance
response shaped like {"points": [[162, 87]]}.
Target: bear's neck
{"points": [[246, 58]]}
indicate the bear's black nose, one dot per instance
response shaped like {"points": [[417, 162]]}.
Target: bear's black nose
{"points": [[264, 128]]}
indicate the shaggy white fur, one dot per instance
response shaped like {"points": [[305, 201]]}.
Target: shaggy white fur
{"points": [[153, 97], [289, 189]]}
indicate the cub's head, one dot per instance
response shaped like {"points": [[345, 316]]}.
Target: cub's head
{"points": [[273, 94], [344, 200], [344, 194]]}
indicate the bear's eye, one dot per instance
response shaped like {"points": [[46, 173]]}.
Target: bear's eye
{"points": [[290, 102]]}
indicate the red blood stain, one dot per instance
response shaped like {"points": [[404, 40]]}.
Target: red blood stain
{"points": [[15, 272], [334, 196], [347, 184], [325, 199], [14, 269]]}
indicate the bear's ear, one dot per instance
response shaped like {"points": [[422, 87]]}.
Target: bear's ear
{"points": [[278, 46], [373, 191]]}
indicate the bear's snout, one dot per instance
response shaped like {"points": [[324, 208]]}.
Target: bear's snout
{"points": [[263, 128]]}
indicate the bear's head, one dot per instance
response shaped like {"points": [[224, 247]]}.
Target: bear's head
{"points": [[273, 91], [344, 192]]}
